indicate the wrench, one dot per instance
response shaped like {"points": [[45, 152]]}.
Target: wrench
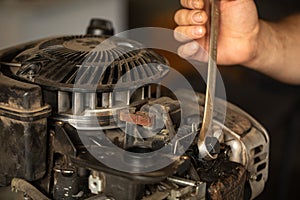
{"points": [[208, 145]]}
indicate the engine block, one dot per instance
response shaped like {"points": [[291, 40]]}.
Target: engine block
{"points": [[75, 119]]}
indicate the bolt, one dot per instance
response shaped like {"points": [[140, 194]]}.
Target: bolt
{"points": [[212, 145], [218, 133], [253, 177]]}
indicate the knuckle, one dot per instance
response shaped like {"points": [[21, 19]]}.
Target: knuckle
{"points": [[192, 4], [190, 17], [198, 17], [181, 33], [183, 3], [176, 17], [180, 17]]}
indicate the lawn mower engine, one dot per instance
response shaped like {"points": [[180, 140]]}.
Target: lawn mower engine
{"points": [[67, 103]]}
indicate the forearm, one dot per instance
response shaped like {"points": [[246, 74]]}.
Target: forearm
{"points": [[278, 50]]}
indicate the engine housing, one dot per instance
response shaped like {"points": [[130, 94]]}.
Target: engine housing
{"points": [[56, 94]]}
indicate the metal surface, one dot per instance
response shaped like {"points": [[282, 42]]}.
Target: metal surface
{"points": [[206, 137], [96, 182], [31, 191], [183, 182], [249, 143], [136, 119], [231, 186]]}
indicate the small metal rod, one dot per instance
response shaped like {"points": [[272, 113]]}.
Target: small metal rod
{"points": [[183, 182], [92, 101], [143, 93], [128, 137], [105, 100], [11, 64], [158, 91], [24, 186], [128, 97], [110, 100], [63, 100], [149, 91], [77, 103], [206, 129]]}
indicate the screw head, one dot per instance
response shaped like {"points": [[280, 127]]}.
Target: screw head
{"points": [[212, 145]]}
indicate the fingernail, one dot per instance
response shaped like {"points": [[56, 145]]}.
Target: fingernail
{"points": [[188, 49], [198, 17], [192, 47], [198, 31]]}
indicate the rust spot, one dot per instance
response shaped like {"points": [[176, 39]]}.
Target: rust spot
{"points": [[139, 118]]}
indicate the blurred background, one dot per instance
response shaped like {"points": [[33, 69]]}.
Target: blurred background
{"points": [[275, 105], [25, 20]]}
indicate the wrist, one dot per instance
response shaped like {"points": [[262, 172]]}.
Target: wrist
{"points": [[255, 45], [265, 45]]}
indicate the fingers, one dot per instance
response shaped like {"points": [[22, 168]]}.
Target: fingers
{"points": [[193, 50], [192, 4], [190, 17], [191, 27], [186, 33], [191, 23], [188, 49]]}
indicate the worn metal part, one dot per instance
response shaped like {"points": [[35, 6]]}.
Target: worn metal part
{"points": [[175, 188], [31, 191], [208, 146], [67, 184], [166, 111], [62, 143], [248, 140], [198, 192], [183, 182], [251, 150], [98, 111], [96, 182], [180, 192], [230, 187], [23, 126], [43, 74], [139, 118]]}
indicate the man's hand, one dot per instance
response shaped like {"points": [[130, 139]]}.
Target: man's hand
{"points": [[239, 28]]}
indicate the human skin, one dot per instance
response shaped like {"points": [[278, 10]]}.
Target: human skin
{"points": [[244, 39]]}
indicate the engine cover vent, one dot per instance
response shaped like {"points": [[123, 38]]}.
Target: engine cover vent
{"points": [[77, 62]]}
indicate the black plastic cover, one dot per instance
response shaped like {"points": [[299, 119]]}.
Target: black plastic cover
{"points": [[23, 131]]}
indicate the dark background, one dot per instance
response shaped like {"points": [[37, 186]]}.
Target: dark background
{"points": [[275, 105]]}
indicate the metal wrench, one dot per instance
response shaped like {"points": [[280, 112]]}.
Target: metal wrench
{"points": [[208, 145]]}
